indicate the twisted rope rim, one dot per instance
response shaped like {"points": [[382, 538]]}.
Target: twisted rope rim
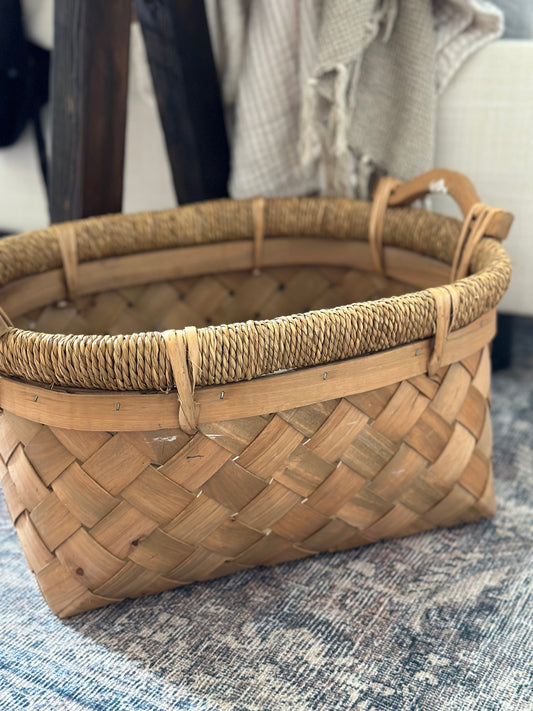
{"points": [[242, 351]]}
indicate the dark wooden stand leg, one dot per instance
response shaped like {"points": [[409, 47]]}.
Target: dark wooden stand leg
{"points": [[179, 51], [89, 93]]}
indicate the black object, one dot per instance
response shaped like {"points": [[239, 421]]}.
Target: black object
{"points": [[23, 77], [502, 346], [179, 52]]}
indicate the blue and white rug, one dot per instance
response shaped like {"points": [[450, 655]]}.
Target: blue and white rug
{"points": [[435, 622]]}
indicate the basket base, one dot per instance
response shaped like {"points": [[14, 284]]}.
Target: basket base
{"points": [[105, 516]]}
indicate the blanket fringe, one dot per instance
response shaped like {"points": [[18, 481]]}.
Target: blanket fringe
{"points": [[326, 137]]}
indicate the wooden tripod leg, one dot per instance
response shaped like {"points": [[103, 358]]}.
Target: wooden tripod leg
{"points": [[181, 60], [88, 92]]}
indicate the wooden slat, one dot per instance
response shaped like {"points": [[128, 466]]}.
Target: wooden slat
{"points": [[116, 464], [305, 470], [156, 496], [455, 456], [86, 499], [122, 529], [388, 525], [342, 483], [160, 552], [53, 521], [198, 520], [299, 523], [264, 459], [36, 552], [195, 463], [233, 486], [451, 393], [86, 560], [89, 88], [186, 86], [47, 456], [231, 538], [268, 506], [30, 489], [59, 586], [129, 581], [13, 503], [344, 423], [401, 413], [201, 562]]}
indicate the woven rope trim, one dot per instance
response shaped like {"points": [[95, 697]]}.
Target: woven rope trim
{"points": [[227, 220], [242, 351]]}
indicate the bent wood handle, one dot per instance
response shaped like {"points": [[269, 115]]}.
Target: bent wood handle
{"points": [[459, 187]]}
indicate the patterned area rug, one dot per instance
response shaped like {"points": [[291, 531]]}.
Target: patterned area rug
{"points": [[436, 621]]}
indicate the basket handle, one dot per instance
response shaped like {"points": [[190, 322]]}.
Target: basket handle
{"points": [[459, 187], [480, 220]]}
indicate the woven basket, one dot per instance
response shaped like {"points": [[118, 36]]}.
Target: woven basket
{"points": [[137, 463]]}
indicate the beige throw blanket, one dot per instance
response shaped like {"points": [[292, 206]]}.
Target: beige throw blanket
{"points": [[323, 96]]}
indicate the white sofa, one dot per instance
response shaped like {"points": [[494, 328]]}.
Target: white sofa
{"points": [[485, 130]]}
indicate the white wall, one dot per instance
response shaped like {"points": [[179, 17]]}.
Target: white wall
{"points": [[485, 130]]}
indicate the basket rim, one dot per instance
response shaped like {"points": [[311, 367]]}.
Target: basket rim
{"points": [[247, 350], [92, 410]]}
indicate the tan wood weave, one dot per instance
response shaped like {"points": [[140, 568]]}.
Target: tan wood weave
{"points": [[102, 516], [192, 393]]}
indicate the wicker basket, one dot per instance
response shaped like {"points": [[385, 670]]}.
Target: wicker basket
{"points": [[137, 463]]}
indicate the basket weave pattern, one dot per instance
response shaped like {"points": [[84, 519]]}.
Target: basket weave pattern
{"points": [[191, 393], [104, 516]]}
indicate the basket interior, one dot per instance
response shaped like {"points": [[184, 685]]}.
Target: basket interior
{"points": [[211, 300]]}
